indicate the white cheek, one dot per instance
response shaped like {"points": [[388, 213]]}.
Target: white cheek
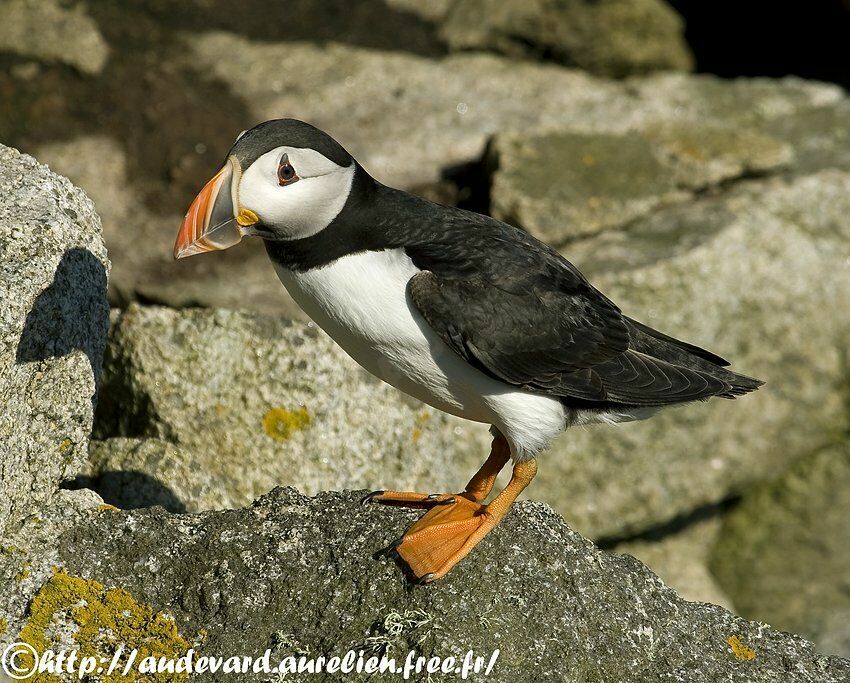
{"points": [[299, 209]]}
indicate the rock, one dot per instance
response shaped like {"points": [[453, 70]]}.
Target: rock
{"points": [[562, 185], [141, 242], [50, 31], [30, 553], [53, 323], [250, 402], [783, 555], [743, 274], [680, 556], [609, 38], [136, 473], [297, 575]]}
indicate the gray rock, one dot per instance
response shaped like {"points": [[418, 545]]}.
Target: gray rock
{"points": [[563, 185], [53, 323], [758, 275], [680, 558], [298, 575], [609, 38], [251, 402], [30, 553], [135, 473], [783, 554], [50, 31]]}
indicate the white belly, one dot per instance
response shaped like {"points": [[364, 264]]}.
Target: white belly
{"points": [[361, 301]]}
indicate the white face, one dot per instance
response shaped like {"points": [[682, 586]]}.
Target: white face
{"points": [[300, 208]]}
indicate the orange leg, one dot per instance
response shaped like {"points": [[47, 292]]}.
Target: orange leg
{"points": [[455, 524], [477, 489]]}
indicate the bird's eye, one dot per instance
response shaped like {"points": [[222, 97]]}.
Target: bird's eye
{"points": [[286, 174]]}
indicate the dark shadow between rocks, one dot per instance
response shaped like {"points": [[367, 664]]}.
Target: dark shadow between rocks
{"points": [[671, 527], [70, 314], [128, 490], [366, 23]]}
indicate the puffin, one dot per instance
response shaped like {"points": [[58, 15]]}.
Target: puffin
{"points": [[464, 312]]}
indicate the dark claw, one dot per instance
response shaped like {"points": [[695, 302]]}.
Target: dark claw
{"points": [[371, 496], [448, 501], [426, 578]]}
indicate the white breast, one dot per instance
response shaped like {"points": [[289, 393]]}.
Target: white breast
{"points": [[361, 301]]}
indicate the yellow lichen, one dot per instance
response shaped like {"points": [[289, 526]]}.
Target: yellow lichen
{"points": [[65, 445], [104, 618], [21, 575], [742, 651], [416, 435], [4, 625], [280, 423], [106, 507]]}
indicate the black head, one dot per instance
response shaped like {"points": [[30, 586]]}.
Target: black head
{"points": [[282, 180]]}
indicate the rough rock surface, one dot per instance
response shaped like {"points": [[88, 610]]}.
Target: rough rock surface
{"points": [[742, 274], [53, 322], [254, 401], [680, 556], [783, 554], [276, 574], [48, 30], [608, 37], [563, 185], [136, 473]]}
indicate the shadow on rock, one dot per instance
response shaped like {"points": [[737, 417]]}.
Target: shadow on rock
{"points": [[67, 312], [128, 490]]}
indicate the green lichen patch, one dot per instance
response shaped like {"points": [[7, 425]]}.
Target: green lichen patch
{"points": [[281, 423], [101, 620]]}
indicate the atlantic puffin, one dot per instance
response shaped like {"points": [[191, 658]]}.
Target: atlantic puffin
{"points": [[457, 309]]}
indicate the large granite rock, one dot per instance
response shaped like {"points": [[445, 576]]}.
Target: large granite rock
{"points": [[250, 402], [759, 275], [53, 323], [563, 185], [606, 37], [783, 554], [680, 553], [298, 576]]}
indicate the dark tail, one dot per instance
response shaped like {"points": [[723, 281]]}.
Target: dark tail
{"points": [[664, 347]]}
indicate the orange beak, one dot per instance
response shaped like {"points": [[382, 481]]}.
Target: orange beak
{"points": [[210, 223]]}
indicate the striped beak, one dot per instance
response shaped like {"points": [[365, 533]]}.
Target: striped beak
{"points": [[210, 223]]}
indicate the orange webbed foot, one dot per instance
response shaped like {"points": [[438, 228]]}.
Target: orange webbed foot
{"points": [[443, 536], [455, 523]]}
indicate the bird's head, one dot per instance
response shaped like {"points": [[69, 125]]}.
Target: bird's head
{"points": [[282, 180]]}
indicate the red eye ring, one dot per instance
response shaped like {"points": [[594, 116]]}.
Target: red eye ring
{"points": [[286, 174]]}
